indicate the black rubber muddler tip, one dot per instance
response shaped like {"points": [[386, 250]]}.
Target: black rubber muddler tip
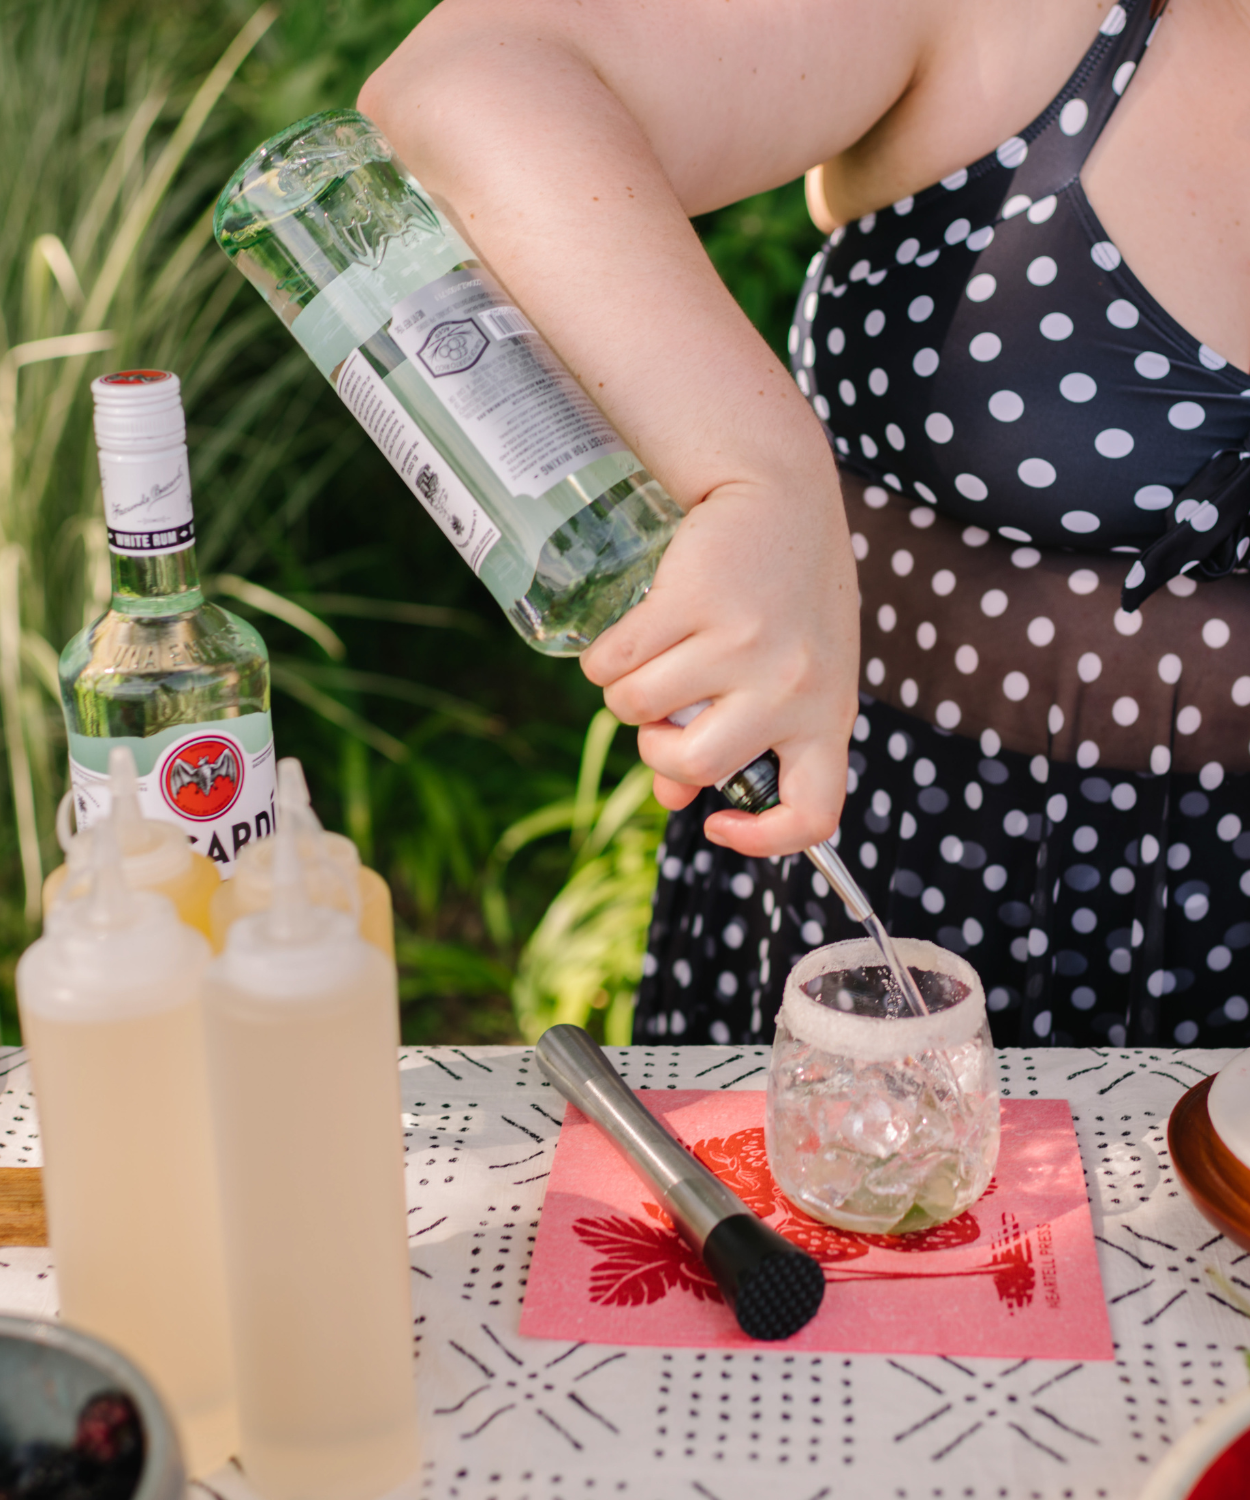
{"points": [[772, 1286]]}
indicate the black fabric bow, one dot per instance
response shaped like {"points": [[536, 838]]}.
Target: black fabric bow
{"points": [[1208, 530]]}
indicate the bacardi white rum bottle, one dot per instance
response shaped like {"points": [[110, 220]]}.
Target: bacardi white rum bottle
{"points": [[524, 474], [182, 683]]}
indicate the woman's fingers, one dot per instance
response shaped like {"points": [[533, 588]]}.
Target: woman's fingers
{"points": [[812, 790], [673, 794], [719, 742], [755, 608]]}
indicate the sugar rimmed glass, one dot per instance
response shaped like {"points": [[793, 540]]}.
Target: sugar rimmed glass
{"points": [[863, 1128]]}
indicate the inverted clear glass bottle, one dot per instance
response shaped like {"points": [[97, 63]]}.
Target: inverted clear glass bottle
{"points": [[352, 254], [340, 241]]}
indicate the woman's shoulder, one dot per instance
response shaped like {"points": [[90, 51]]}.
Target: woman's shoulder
{"points": [[736, 98], [985, 72]]}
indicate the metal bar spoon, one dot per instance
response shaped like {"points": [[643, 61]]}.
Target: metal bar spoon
{"points": [[754, 789]]}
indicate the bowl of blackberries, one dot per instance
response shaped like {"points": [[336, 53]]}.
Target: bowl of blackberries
{"points": [[78, 1421]]}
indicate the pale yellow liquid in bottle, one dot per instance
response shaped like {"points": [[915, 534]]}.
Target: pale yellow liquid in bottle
{"points": [[306, 1105], [130, 1185], [249, 892], [191, 890]]}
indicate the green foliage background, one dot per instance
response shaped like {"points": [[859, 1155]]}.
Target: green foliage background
{"points": [[516, 829]]}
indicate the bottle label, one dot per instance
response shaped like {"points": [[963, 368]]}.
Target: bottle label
{"points": [[416, 460], [357, 303], [215, 780], [147, 501], [493, 373]]}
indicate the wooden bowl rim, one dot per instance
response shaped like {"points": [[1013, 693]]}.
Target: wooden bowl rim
{"points": [[1217, 1181]]}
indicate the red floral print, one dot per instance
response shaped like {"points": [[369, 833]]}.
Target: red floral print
{"points": [[641, 1262]]}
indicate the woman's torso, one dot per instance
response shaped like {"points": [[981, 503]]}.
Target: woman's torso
{"points": [[1101, 907], [984, 347]]}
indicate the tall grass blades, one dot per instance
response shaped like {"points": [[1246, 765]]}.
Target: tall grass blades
{"points": [[84, 182], [583, 961]]}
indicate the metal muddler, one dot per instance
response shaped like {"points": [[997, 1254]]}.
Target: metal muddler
{"points": [[772, 1286]]}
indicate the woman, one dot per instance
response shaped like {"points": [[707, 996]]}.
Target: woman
{"points": [[1038, 776]]}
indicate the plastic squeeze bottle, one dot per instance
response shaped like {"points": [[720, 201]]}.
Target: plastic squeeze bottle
{"points": [[156, 855], [331, 862], [302, 1029], [110, 1008]]}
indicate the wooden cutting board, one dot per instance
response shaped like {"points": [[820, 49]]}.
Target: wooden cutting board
{"points": [[22, 1219]]}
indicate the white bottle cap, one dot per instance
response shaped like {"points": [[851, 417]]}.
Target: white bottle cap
{"points": [[145, 475], [138, 411]]}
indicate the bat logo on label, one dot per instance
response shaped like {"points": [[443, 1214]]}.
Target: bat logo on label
{"points": [[202, 779]]}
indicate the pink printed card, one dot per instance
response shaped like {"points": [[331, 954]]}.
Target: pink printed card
{"points": [[1016, 1277]]}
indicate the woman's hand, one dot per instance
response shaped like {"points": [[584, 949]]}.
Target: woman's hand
{"points": [[755, 607]]}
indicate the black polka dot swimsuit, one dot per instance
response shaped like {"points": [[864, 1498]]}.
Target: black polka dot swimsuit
{"points": [[1041, 779], [984, 347]]}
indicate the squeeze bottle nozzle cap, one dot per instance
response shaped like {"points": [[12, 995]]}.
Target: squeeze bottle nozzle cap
{"points": [[300, 946], [293, 796], [110, 903], [291, 917], [327, 857], [114, 946], [151, 851], [133, 833]]}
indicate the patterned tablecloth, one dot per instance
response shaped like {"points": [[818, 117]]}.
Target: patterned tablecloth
{"points": [[509, 1418]]}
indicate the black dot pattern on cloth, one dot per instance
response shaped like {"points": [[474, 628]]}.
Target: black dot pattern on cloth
{"points": [[984, 347], [1099, 907]]}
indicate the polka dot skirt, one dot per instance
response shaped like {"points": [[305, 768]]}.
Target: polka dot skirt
{"points": [[1098, 907]]}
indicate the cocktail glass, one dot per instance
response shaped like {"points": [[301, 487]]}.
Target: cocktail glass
{"points": [[863, 1128]]}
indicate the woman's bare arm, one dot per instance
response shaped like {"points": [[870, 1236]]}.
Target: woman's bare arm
{"points": [[572, 139]]}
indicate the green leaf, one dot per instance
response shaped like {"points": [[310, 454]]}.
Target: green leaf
{"points": [[286, 610]]}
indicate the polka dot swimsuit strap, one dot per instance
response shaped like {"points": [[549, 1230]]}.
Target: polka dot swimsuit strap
{"points": [[983, 347]]}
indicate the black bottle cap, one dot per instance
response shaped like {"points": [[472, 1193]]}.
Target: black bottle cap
{"points": [[773, 1287]]}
